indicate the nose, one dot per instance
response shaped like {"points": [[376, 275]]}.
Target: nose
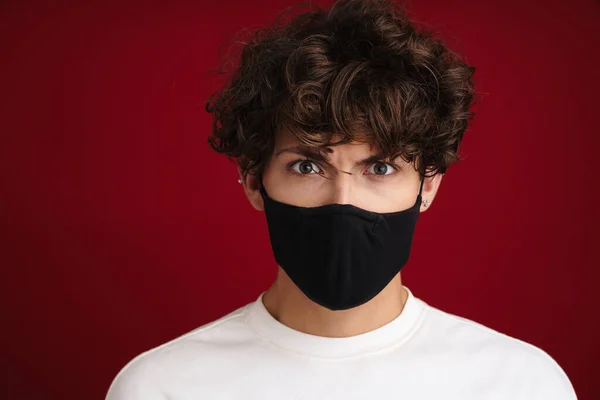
{"points": [[342, 190]]}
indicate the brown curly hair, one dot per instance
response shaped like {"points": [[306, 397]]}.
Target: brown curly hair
{"points": [[359, 71]]}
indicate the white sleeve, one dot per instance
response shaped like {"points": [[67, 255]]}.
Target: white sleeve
{"points": [[135, 382], [547, 380]]}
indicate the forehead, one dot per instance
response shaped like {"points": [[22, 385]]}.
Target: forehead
{"points": [[357, 152], [285, 139]]}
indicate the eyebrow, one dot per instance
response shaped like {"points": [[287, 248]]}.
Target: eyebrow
{"points": [[317, 156], [303, 151]]}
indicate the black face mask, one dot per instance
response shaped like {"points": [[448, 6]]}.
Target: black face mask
{"points": [[339, 255]]}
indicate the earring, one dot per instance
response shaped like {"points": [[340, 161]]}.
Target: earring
{"points": [[426, 203], [240, 181]]}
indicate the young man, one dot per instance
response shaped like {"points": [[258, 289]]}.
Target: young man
{"points": [[343, 122]]}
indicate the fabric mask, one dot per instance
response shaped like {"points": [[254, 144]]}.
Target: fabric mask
{"points": [[339, 255]]}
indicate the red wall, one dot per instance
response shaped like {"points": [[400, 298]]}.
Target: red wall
{"points": [[121, 230]]}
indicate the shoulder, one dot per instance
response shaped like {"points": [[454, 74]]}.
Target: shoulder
{"points": [[530, 370], [149, 374]]}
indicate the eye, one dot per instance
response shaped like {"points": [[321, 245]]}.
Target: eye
{"points": [[381, 168], [305, 167]]}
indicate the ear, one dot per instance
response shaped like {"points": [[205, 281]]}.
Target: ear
{"points": [[430, 188], [251, 185]]}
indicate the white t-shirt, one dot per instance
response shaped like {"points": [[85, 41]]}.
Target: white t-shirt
{"points": [[424, 353]]}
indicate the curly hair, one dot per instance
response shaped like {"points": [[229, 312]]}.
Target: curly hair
{"points": [[358, 71]]}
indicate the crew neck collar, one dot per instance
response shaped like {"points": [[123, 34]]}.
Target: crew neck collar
{"points": [[394, 333]]}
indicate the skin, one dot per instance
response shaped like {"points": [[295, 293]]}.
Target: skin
{"points": [[344, 177]]}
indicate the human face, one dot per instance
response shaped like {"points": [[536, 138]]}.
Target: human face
{"points": [[352, 173]]}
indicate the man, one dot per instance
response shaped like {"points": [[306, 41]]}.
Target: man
{"points": [[343, 122]]}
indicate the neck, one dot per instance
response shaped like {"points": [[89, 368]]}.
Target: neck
{"points": [[286, 303]]}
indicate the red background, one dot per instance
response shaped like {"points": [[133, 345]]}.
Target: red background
{"points": [[122, 230]]}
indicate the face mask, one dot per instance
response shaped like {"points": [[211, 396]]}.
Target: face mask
{"points": [[339, 255]]}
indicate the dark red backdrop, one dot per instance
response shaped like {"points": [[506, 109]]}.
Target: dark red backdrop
{"points": [[121, 230]]}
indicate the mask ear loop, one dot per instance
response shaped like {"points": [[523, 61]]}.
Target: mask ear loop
{"points": [[262, 187]]}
